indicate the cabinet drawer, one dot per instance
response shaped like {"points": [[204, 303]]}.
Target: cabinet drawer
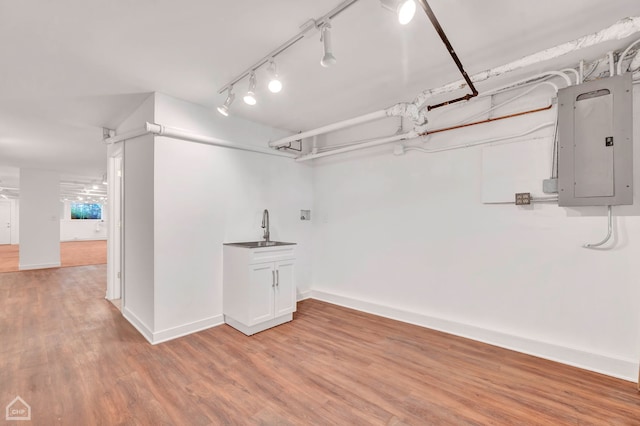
{"points": [[272, 254]]}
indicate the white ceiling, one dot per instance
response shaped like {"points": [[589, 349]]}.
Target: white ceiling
{"points": [[71, 67]]}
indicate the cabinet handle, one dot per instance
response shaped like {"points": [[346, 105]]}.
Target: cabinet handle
{"points": [[273, 278], [277, 278]]}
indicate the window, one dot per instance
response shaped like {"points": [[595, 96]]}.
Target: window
{"points": [[86, 211]]}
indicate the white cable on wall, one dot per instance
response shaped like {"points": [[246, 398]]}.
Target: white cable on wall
{"points": [[624, 54], [609, 231], [482, 142], [508, 101], [571, 70]]}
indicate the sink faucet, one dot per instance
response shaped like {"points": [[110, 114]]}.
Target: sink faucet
{"points": [[265, 224]]}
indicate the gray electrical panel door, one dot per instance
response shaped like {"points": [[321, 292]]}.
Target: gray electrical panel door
{"points": [[595, 165], [593, 157]]}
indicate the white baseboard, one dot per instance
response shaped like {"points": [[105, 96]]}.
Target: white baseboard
{"points": [[171, 333], [183, 330], [38, 266], [83, 239], [625, 369], [303, 295], [138, 324]]}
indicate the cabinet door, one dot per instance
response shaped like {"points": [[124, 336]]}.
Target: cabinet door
{"points": [[260, 297], [285, 290]]}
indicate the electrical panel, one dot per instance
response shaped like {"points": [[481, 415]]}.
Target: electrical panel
{"points": [[595, 161]]}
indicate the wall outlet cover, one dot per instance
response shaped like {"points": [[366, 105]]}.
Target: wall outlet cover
{"points": [[523, 198], [550, 186]]}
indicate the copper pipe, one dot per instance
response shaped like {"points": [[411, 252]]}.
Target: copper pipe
{"points": [[488, 120]]}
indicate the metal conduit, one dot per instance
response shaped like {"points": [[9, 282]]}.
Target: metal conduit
{"points": [[488, 120], [609, 231], [454, 56]]}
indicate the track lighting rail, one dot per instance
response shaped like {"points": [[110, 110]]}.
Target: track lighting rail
{"points": [[454, 56], [309, 26]]}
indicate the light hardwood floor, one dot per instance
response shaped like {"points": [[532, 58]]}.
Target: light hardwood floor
{"points": [[76, 361], [72, 253]]}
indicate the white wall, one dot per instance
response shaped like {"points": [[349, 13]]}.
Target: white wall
{"points": [[138, 223], [70, 230], [206, 196], [408, 237], [39, 219], [183, 200], [82, 230], [15, 222]]}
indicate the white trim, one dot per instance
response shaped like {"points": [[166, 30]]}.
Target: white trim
{"points": [[22, 267], [83, 239], [625, 369], [138, 324], [183, 330], [304, 295], [251, 330], [114, 238]]}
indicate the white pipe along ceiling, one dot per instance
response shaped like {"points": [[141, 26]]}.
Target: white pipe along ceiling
{"points": [[176, 133], [416, 110]]}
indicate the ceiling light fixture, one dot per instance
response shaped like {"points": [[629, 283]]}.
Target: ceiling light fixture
{"points": [[224, 108], [275, 85], [308, 28], [327, 49], [250, 97], [404, 9]]}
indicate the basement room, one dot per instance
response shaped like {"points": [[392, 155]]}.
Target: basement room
{"points": [[357, 212]]}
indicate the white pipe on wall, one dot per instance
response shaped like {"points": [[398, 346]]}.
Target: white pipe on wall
{"points": [[624, 54], [571, 70], [376, 142], [618, 31], [609, 232], [635, 62], [500, 105], [377, 115], [482, 142], [127, 135], [612, 64], [176, 133], [531, 79], [384, 113]]}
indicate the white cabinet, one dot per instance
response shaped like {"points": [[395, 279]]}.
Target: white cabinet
{"points": [[259, 290]]}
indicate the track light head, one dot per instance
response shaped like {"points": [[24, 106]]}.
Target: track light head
{"points": [[327, 58], [275, 85], [404, 9], [250, 97], [224, 108]]}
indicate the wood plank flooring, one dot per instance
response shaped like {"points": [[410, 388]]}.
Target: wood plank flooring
{"points": [[72, 253], [76, 361]]}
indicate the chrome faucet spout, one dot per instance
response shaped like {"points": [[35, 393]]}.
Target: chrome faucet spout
{"points": [[265, 224]]}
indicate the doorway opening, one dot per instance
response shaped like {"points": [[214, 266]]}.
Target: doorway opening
{"points": [[115, 291]]}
